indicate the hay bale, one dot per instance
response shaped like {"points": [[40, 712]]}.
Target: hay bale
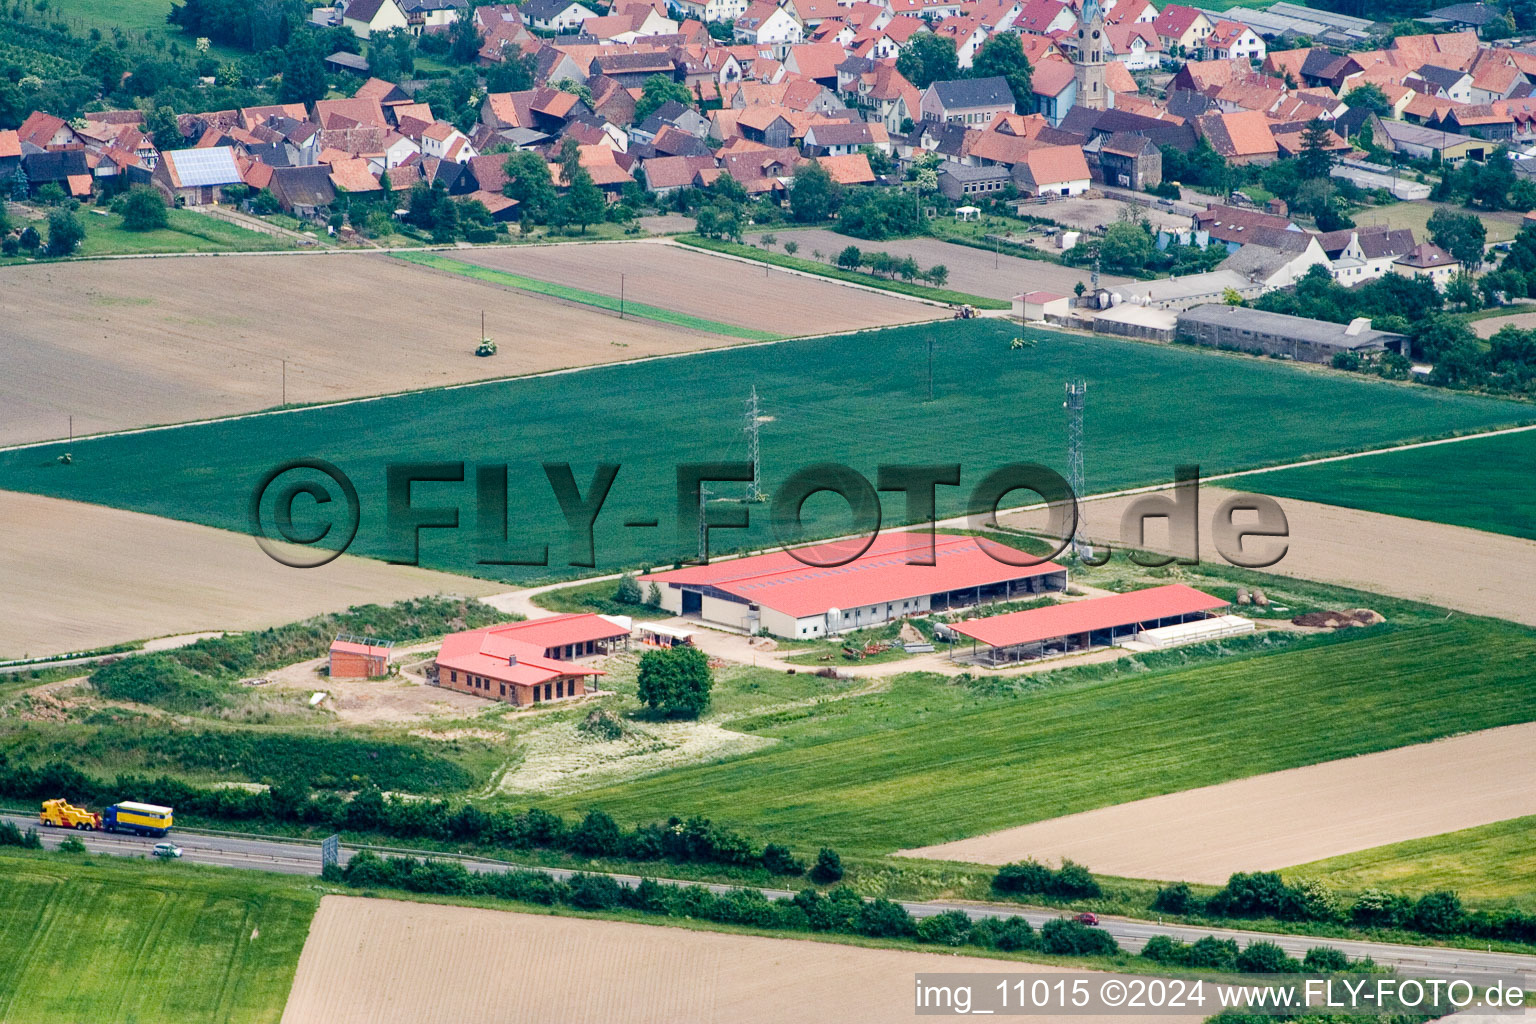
{"points": [[1242, 595], [1259, 598]]}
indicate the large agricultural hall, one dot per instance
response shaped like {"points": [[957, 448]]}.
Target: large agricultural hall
{"points": [[781, 594], [1148, 619]]}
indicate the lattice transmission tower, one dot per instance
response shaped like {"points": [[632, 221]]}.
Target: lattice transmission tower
{"points": [[1077, 398], [754, 419]]}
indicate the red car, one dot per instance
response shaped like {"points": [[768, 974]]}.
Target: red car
{"points": [[1087, 918]]}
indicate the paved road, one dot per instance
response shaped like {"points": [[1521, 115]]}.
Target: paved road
{"points": [[303, 858]]}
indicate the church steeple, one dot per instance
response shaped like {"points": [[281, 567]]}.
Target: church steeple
{"points": [[1089, 61]]}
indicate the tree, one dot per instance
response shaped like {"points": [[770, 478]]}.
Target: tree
{"points": [[938, 275], [528, 182], [850, 258], [1126, 246], [628, 591], [675, 681], [513, 74], [1369, 98], [814, 194], [106, 64], [829, 867], [655, 91], [303, 71], [1314, 161], [464, 40], [391, 55], [1490, 188], [144, 209], [1463, 235], [791, 247], [1266, 958], [1003, 55], [20, 186], [65, 233], [584, 203], [161, 126], [928, 58]]}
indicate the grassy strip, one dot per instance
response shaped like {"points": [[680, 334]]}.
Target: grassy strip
{"points": [[1490, 863], [586, 298], [115, 939], [921, 291]]}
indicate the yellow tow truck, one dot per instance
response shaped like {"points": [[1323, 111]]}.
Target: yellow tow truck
{"points": [[63, 814]]}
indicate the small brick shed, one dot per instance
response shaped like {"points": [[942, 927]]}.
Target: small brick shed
{"points": [[359, 657]]}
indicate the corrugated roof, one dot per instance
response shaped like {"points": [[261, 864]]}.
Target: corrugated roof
{"points": [[1038, 624], [559, 630]]}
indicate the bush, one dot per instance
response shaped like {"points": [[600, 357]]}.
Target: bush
{"points": [[1259, 894], [10, 245], [30, 239], [143, 209], [1177, 898], [950, 928], [65, 233], [10, 835], [1073, 882], [594, 892], [158, 680], [1213, 953], [829, 867], [1026, 877], [882, 919], [70, 844], [1165, 950], [1073, 938], [1376, 908], [1438, 913], [598, 835], [1324, 960], [1266, 958], [30, 840], [779, 861], [1007, 934]]}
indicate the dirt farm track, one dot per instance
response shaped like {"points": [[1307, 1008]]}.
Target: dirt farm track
{"points": [[388, 962], [82, 576], [129, 343], [1273, 821]]}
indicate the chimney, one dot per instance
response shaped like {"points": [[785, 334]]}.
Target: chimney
{"points": [[511, 659]]}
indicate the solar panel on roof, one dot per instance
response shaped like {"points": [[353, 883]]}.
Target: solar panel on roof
{"points": [[199, 167]]}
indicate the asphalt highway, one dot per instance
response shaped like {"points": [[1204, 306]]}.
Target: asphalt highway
{"points": [[303, 858]]}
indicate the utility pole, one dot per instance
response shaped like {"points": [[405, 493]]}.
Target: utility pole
{"points": [[621, 295], [703, 525]]}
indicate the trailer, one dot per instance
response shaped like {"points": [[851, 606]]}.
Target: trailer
{"points": [[138, 819]]}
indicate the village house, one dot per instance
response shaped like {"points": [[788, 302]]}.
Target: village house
{"points": [[1182, 30], [968, 101], [1428, 261], [556, 15], [197, 177], [773, 28], [365, 17], [525, 663]]}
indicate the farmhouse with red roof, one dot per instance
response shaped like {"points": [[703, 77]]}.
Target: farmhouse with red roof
{"points": [[529, 662], [785, 595]]}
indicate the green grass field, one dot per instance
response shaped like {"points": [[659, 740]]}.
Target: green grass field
{"points": [[930, 760], [859, 400], [1490, 864], [586, 298], [1484, 484], [186, 232], [110, 940]]}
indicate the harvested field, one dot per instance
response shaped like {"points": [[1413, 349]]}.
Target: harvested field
{"points": [[970, 270], [131, 343], [388, 962], [1451, 566], [698, 284], [84, 576], [1489, 326], [1273, 821]]}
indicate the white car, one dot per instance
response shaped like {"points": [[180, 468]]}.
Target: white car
{"points": [[167, 850]]}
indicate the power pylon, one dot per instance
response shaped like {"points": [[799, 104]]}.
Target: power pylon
{"points": [[1077, 397], [754, 419]]}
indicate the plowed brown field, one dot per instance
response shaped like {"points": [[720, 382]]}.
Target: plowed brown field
{"points": [[387, 962]]}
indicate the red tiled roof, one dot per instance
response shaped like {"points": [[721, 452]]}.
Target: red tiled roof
{"points": [[882, 574], [1037, 624], [559, 630], [496, 653]]}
